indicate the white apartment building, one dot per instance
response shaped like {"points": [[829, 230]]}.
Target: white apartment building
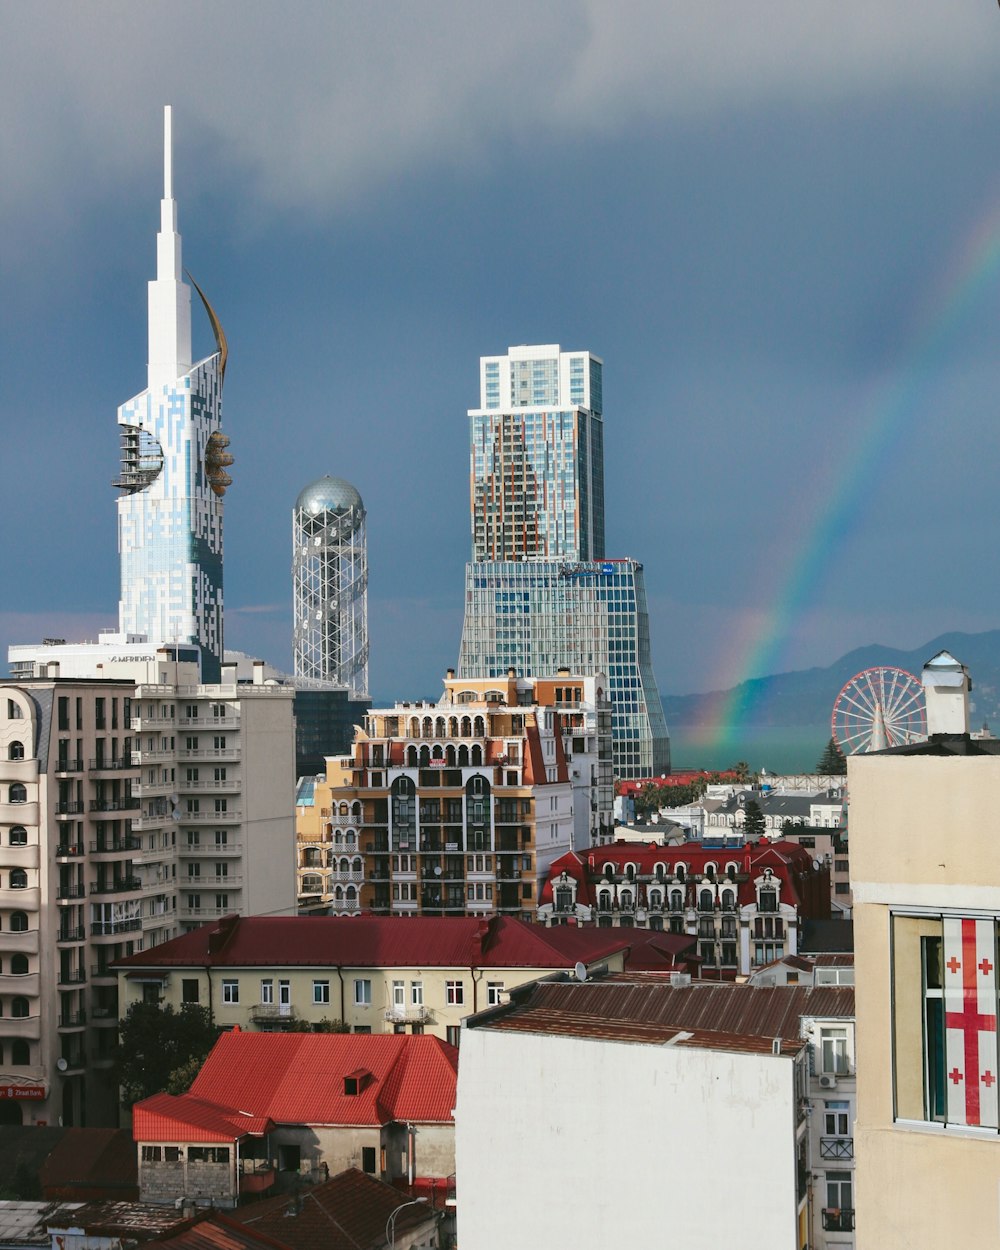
{"points": [[132, 809]]}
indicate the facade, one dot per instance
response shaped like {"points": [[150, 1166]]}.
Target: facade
{"points": [[539, 593], [744, 905], [540, 615], [460, 806], [330, 585], [140, 809], [926, 923], [375, 975], [173, 468], [565, 1065], [269, 1109]]}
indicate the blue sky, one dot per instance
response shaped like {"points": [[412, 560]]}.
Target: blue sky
{"points": [[745, 209]]}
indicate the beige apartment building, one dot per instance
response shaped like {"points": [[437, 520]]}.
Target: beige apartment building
{"points": [[926, 914], [459, 807], [132, 809]]}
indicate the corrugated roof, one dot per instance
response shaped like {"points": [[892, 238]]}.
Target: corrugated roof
{"points": [[348, 1212], [620, 1006], [252, 1079], [380, 942]]}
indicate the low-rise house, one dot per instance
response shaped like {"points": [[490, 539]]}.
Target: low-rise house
{"points": [[272, 1108], [375, 974]]}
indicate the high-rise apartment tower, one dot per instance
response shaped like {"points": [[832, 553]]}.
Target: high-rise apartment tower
{"points": [[173, 467], [540, 594]]}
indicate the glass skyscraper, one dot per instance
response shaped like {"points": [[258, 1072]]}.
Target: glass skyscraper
{"points": [[173, 468], [539, 594]]}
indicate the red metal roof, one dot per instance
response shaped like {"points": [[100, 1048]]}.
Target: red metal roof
{"points": [[380, 942], [252, 1080]]}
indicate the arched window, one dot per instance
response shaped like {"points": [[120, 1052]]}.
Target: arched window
{"points": [[19, 1008], [18, 922], [18, 793], [18, 835], [20, 1053], [16, 751], [18, 965], [18, 879]]}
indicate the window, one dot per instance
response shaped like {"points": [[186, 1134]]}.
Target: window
{"points": [[833, 1051], [190, 990], [454, 993], [230, 991], [362, 992], [416, 993], [494, 989], [321, 993], [836, 1119]]}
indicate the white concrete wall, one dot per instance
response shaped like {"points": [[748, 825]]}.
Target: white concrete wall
{"points": [[558, 1141]]}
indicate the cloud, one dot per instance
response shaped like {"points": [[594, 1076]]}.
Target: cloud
{"points": [[324, 103]]}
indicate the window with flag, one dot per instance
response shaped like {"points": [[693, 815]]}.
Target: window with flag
{"points": [[945, 1019]]}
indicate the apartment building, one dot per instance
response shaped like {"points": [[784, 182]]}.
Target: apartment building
{"points": [[459, 807]]}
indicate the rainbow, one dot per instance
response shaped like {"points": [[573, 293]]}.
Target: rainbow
{"points": [[840, 512]]}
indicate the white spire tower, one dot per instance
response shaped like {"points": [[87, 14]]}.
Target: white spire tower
{"points": [[173, 462]]}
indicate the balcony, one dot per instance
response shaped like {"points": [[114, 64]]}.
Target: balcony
{"points": [[116, 847], [407, 1015], [111, 928], [836, 1147], [838, 1219]]}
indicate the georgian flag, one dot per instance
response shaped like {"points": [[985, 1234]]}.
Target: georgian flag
{"points": [[970, 1005]]}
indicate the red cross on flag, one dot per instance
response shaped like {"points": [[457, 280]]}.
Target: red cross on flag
{"points": [[970, 1021]]}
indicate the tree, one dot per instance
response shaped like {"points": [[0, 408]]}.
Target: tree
{"points": [[832, 763], [754, 824], [156, 1043]]}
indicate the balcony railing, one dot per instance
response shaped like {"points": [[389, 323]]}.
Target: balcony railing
{"points": [[836, 1147], [838, 1219]]}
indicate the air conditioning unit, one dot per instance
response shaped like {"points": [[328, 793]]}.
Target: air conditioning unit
{"points": [[828, 1082]]}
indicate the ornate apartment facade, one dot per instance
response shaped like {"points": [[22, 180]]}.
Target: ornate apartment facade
{"points": [[460, 807]]}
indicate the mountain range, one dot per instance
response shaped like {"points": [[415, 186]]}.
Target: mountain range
{"points": [[805, 698]]}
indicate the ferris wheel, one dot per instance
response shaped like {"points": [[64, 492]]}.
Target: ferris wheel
{"points": [[879, 708]]}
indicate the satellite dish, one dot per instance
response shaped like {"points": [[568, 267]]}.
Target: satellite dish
{"points": [[62, 1065], [580, 970]]}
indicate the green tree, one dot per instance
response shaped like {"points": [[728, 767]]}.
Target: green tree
{"points": [[156, 1042], [832, 763], [754, 824]]}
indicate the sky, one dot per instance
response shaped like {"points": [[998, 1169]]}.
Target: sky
{"points": [[777, 223]]}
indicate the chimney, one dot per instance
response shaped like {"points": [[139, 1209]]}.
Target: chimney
{"points": [[946, 690]]}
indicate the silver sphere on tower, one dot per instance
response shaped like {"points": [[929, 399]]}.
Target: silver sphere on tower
{"points": [[330, 585]]}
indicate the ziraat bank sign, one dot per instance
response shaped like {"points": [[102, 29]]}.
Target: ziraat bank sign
{"points": [[27, 1093]]}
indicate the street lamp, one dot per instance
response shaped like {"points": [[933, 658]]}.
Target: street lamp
{"points": [[390, 1224]]}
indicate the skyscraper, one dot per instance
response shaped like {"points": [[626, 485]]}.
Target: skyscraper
{"points": [[330, 584], [173, 467], [539, 594]]}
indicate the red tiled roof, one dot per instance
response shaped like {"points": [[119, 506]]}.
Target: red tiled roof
{"points": [[379, 942], [298, 1078]]}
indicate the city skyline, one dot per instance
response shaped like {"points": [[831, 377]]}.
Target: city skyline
{"points": [[758, 223]]}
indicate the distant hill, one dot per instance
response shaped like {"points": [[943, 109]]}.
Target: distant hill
{"points": [[806, 698]]}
